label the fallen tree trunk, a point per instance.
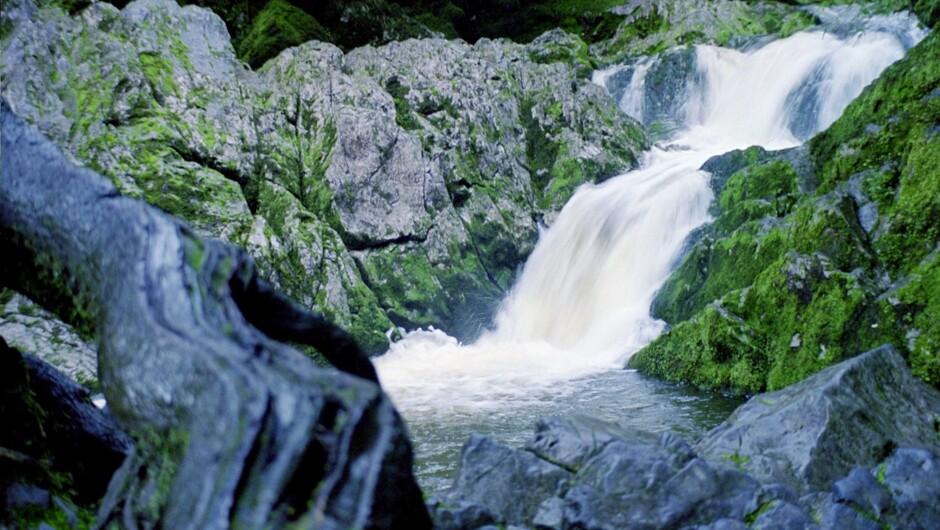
(232, 428)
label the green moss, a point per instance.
(713, 350)
(715, 267)
(163, 452)
(404, 280)
(541, 149)
(403, 114)
(277, 26)
(811, 315)
(33, 516)
(368, 321)
(791, 263)
(575, 52)
(915, 307)
(752, 517)
(737, 459)
(159, 72)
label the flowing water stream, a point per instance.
(580, 307)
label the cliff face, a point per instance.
(391, 186)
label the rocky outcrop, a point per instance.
(855, 446)
(391, 186)
(652, 26)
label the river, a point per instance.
(581, 305)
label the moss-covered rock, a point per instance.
(325, 165)
(277, 26)
(653, 27)
(715, 349)
(821, 264)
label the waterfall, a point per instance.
(581, 304)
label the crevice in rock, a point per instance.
(191, 155)
(357, 242)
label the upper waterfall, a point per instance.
(581, 303)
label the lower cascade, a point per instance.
(581, 306)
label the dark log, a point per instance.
(50, 420)
(232, 428)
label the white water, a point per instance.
(581, 304)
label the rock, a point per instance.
(511, 484)
(633, 485)
(782, 516)
(573, 440)
(912, 476)
(651, 26)
(723, 524)
(859, 488)
(391, 186)
(550, 514)
(29, 328)
(810, 434)
(842, 516)
(459, 515)
(810, 438)
(21, 495)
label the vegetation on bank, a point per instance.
(820, 253)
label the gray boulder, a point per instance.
(662, 485)
(511, 484)
(812, 433)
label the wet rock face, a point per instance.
(854, 446)
(392, 186)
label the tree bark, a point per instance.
(232, 428)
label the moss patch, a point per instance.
(277, 26)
